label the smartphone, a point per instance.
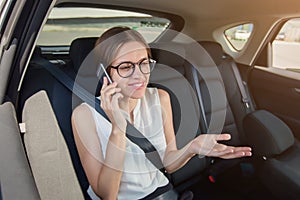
(106, 74)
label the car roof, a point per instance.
(207, 20)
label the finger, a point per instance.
(115, 99)
(109, 90)
(245, 149)
(104, 83)
(112, 91)
(223, 136)
(238, 154)
(220, 153)
(107, 93)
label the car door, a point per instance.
(275, 78)
(15, 176)
(16, 180)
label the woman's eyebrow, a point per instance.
(127, 61)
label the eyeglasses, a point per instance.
(126, 69)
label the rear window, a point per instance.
(238, 36)
(66, 24)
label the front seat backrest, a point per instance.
(47, 151)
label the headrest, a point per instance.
(214, 49)
(170, 54)
(267, 134)
(79, 49)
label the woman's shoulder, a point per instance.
(82, 112)
(158, 91)
(161, 94)
(82, 109)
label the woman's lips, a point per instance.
(137, 85)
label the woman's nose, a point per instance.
(137, 72)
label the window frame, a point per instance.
(176, 21)
(231, 46)
(276, 30)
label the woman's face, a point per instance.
(135, 85)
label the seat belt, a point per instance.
(197, 85)
(241, 85)
(131, 132)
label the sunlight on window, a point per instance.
(239, 35)
(66, 24)
(286, 46)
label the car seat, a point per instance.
(276, 153)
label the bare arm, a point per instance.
(205, 144)
(104, 175)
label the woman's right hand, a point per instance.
(110, 95)
(207, 145)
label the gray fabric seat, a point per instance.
(170, 74)
(47, 151)
(271, 139)
(62, 107)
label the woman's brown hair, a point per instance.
(111, 41)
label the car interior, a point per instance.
(215, 87)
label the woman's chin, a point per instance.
(137, 94)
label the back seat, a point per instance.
(276, 152)
(236, 110)
(170, 74)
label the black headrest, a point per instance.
(214, 49)
(170, 54)
(79, 49)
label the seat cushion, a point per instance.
(267, 134)
(281, 174)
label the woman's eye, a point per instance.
(145, 62)
(125, 67)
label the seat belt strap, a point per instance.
(131, 132)
(198, 90)
(244, 96)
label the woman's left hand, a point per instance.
(207, 145)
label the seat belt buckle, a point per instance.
(247, 105)
(246, 102)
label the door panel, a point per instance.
(15, 175)
(278, 91)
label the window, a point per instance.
(66, 24)
(4, 8)
(238, 36)
(286, 46)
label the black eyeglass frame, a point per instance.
(151, 61)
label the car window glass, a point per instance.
(238, 36)
(4, 8)
(66, 24)
(286, 46)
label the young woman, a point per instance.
(117, 168)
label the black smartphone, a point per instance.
(106, 74)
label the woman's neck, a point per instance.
(128, 105)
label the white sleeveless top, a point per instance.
(140, 177)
